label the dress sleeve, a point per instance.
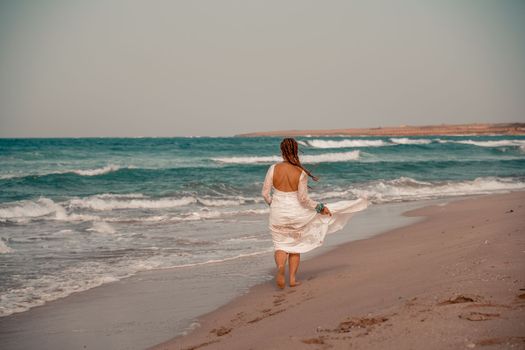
(302, 192)
(267, 186)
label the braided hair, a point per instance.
(289, 150)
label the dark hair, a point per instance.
(289, 150)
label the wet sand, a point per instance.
(152, 306)
(454, 280)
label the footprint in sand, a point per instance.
(266, 313)
(315, 341)
(279, 299)
(502, 340)
(478, 316)
(460, 299)
(221, 331)
(411, 302)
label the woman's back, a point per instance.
(294, 221)
(286, 177)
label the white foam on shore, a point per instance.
(30, 209)
(97, 203)
(214, 261)
(215, 214)
(4, 248)
(346, 143)
(102, 227)
(43, 207)
(309, 158)
(332, 194)
(408, 189)
(49, 288)
(82, 278)
(189, 216)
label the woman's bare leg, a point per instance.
(293, 262)
(280, 261)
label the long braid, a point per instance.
(289, 150)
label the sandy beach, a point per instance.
(451, 281)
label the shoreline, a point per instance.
(384, 300)
(145, 309)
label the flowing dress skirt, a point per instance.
(297, 229)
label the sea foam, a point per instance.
(81, 172)
(407, 141)
(488, 143)
(407, 189)
(90, 275)
(97, 171)
(4, 248)
(346, 143)
(97, 203)
(102, 227)
(309, 158)
(30, 209)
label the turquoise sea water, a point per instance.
(76, 213)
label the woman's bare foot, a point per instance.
(295, 283)
(280, 278)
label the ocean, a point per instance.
(78, 213)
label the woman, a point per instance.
(298, 223)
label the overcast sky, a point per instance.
(222, 67)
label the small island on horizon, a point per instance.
(406, 130)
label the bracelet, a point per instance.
(319, 207)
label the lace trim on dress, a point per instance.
(288, 230)
(267, 185)
(302, 192)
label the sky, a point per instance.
(74, 68)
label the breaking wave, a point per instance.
(406, 188)
(345, 143)
(97, 171)
(310, 158)
(489, 143)
(97, 203)
(407, 141)
(81, 172)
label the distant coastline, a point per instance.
(406, 130)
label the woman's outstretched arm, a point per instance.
(267, 186)
(302, 192)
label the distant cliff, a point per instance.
(406, 130)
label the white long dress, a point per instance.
(295, 225)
